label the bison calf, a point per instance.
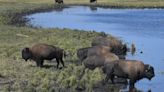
(41, 52)
(130, 69)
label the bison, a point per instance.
(128, 69)
(94, 61)
(97, 60)
(83, 53)
(40, 52)
(116, 45)
(59, 1)
(91, 1)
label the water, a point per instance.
(144, 27)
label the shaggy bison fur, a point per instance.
(83, 53)
(40, 52)
(116, 45)
(94, 61)
(129, 69)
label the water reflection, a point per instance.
(60, 9)
(93, 8)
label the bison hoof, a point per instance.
(60, 68)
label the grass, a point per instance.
(16, 75)
(26, 76)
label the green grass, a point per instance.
(14, 39)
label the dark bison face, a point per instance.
(149, 72)
(124, 49)
(26, 54)
(59, 1)
(93, 1)
(82, 53)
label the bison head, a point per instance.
(82, 53)
(149, 72)
(26, 54)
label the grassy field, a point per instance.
(26, 77)
(16, 75)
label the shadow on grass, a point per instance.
(45, 66)
(48, 66)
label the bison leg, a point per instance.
(57, 63)
(109, 73)
(106, 79)
(62, 62)
(39, 63)
(131, 86)
(112, 78)
(82, 74)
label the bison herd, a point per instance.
(108, 55)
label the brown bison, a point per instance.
(91, 1)
(40, 52)
(116, 45)
(59, 1)
(129, 69)
(97, 60)
(83, 53)
(94, 61)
